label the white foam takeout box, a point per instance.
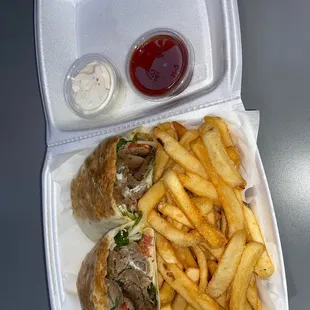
(66, 30)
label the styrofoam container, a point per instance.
(65, 31)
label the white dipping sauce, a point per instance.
(92, 86)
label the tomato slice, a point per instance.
(124, 307)
(147, 240)
(132, 145)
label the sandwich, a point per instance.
(119, 273)
(106, 189)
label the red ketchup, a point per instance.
(158, 65)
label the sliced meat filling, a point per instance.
(126, 257)
(115, 294)
(128, 275)
(134, 163)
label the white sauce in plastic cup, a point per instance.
(91, 85)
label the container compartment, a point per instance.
(67, 30)
(66, 245)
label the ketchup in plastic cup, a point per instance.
(160, 64)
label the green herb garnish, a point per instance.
(117, 303)
(121, 144)
(151, 290)
(121, 238)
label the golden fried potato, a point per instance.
(171, 233)
(264, 267)
(199, 186)
(228, 265)
(212, 235)
(250, 256)
(219, 158)
(179, 154)
(175, 213)
(230, 203)
(166, 250)
(184, 286)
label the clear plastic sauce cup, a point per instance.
(160, 64)
(92, 85)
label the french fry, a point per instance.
(219, 158)
(217, 217)
(179, 128)
(166, 294)
(234, 155)
(188, 137)
(166, 250)
(227, 265)
(217, 253)
(199, 186)
(175, 213)
(264, 267)
(252, 295)
(211, 218)
(250, 256)
(171, 163)
(160, 280)
(171, 233)
(212, 235)
(228, 294)
(185, 255)
(204, 204)
(222, 127)
(212, 265)
(172, 133)
(164, 126)
(232, 208)
(166, 307)
(179, 303)
(203, 268)
(247, 306)
(161, 161)
(193, 274)
(151, 199)
(178, 169)
(176, 224)
(179, 154)
(184, 286)
(222, 300)
(169, 198)
(224, 225)
(230, 203)
(259, 305)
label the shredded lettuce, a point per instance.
(121, 144)
(123, 208)
(138, 219)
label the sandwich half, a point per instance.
(106, 189)
(119, 273)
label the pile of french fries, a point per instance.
(210, 248)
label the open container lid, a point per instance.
(68, 30)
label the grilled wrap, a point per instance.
(120, 272)
(106, 189)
